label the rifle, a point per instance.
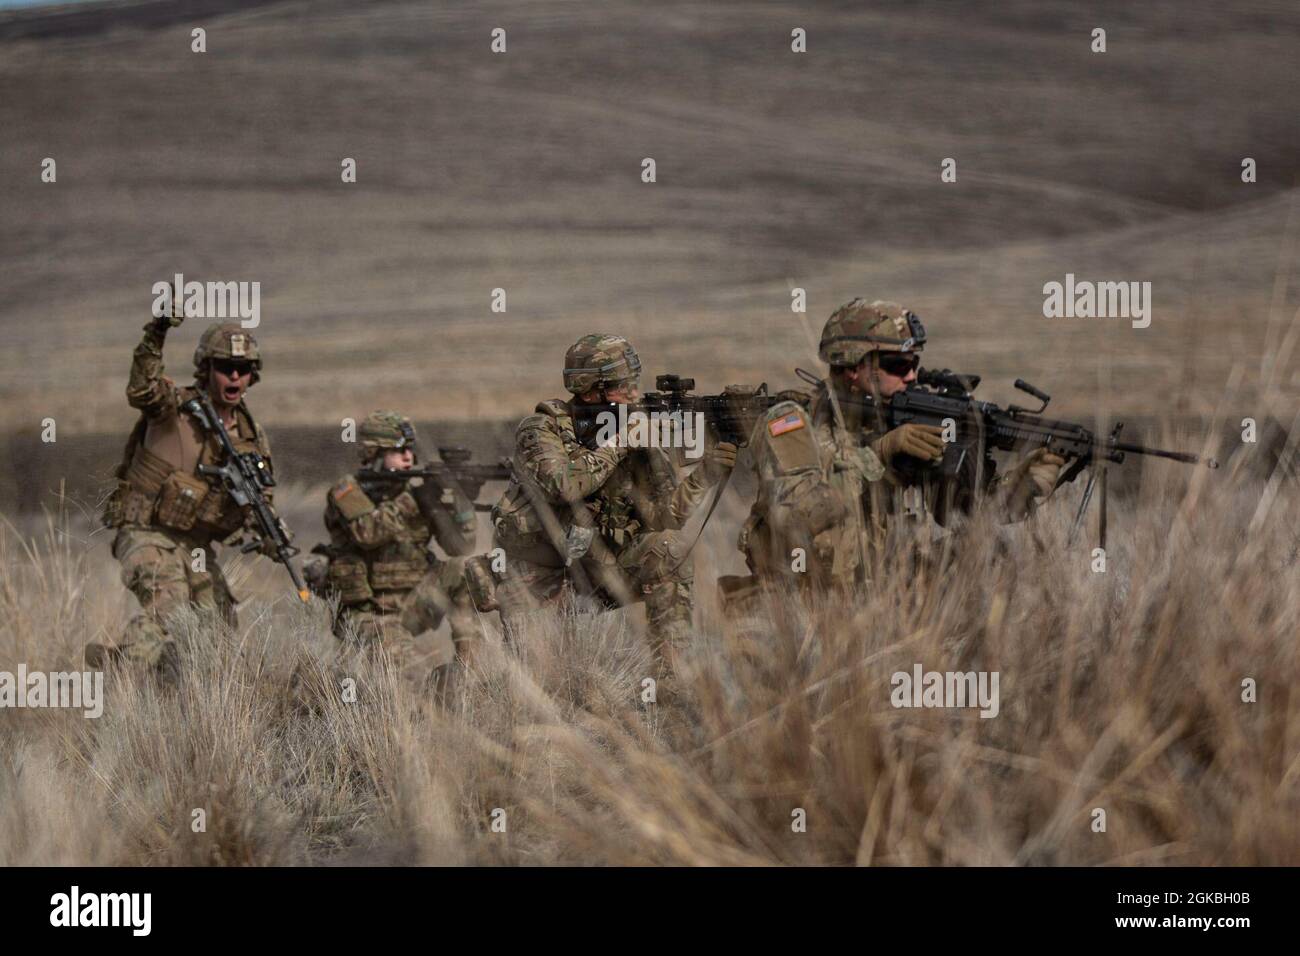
(244, 475)
(454, 470)
(731, 415)
(974, 428)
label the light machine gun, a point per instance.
(973, 428)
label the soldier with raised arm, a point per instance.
(167, 513)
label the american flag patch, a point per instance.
(791, 422)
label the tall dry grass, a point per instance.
(1119, 690)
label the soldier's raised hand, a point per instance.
(173, 315)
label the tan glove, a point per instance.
(718, 462)
(920, 441)
(171, 317)
(1033, 477)
(1042, 469)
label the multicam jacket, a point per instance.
(379, 542)
(158, 481)
(813, 478)
(560, 483)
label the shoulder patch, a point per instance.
(790, 441)
(350, 500)
(787, 423)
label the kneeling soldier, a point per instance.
(390, 586)
(605, 520)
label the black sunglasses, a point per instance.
(899, 363)
(227, 367)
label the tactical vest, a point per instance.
(384, 575)
(623, 507)
(524, 530)
(153, 492)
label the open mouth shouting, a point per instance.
(230, 379)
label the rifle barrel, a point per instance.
(1185, 457)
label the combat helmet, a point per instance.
(383, 430)
(600, 361)
(858, 329)
(227, 340)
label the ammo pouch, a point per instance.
(520, 531)
(817, 506)
(481, 583)
(126, 506)
(349, 578)
(397, 575)
(180, 499)
(530, 547)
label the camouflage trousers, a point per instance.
(158, 567)
(654, 567)
(394, 620)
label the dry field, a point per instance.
(1120, 690)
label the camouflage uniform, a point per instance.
(827, 483)
(605, 520)
(859, 332)
(391, 587)
(165, 512)
(813, 476)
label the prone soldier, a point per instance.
(605, 521)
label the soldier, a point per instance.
(166, 513)
(604, 520)
(829, 477)
(875, 350)
(391, 587)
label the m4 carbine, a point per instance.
(243, 476)
(731, 415)
(453, 470)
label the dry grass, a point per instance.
(1119, 690)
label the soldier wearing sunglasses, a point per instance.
(166, 514)
(828, 489)
(875, 351)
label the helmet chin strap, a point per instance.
(876, 400)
